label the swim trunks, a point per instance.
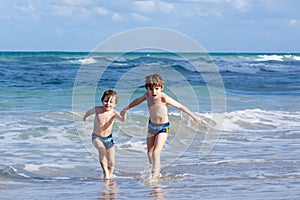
(107, 141)
(158, 128)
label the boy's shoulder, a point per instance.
(164, 95)
(99, 109)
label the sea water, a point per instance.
(250, 148)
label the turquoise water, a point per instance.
(252, 152)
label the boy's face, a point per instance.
(109, 102)
(154, 91)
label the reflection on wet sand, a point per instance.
(110, 190)
(156, 189)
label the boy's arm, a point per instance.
(181, 107)
(88, 113)
(121, 117)
(135, 102)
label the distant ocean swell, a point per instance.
(243, 63)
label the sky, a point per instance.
(216, 25)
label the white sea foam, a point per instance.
(296, 58)
(288, 56)
(277, 57)
(270, 57)
(138, 146)
(86, 61)
(246, 69)
(257, 120)
(37, 167)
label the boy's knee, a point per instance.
(111, 164)
(156, 153)
(150, 153)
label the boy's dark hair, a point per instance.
(110, 93)
(154, 80)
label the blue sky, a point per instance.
(217, 25)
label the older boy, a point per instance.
(102, 133)
(158, 127)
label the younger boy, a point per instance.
(102, 133)
(158, 127)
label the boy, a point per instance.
(158, 126)
(102, 133)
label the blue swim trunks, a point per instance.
(107, 141)
(158, 128)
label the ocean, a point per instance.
(248, 150)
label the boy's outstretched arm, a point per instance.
(88, 113)
(134, 103)
(181, 107)
(190, 113)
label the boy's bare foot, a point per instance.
(156, 175)
(106, 177)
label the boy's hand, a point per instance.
(198, 120)
(84, 119)
(123, 112)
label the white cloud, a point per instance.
(104, 12)
(74, 11)
(200, 1)
(195, 12)
(63, 11)
(153, 6)
(25, 9)
(117, 17)
(74, 2)
(145, 6)
(84, 11)
(294, 22)
(139, 17)
(165, 7)
(101, 11)
(28, 10)
(239, 4)
(217, 13)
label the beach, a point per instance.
(251, 151)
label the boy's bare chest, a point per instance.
(103, 118)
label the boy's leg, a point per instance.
(160, 140)
(150, 147)
(110, 154)
(102, 157)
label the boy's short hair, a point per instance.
(110, 93)
(154, 80)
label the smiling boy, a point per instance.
(102, 132)
(158, 127)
